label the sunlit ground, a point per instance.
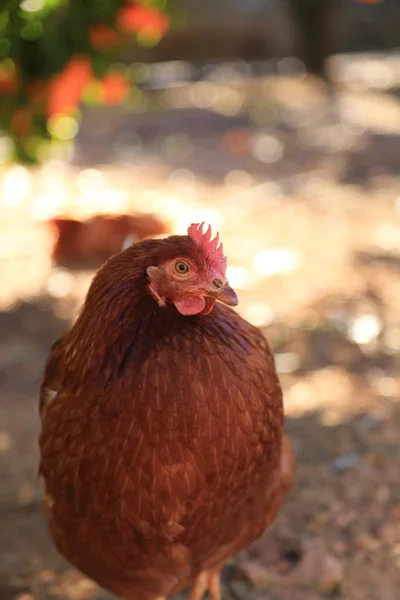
(303, 185)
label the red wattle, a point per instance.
(192, 305)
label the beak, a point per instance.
(226, 295)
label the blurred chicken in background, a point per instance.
(95, 240)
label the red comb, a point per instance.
(212, 250)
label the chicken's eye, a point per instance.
(181, 267)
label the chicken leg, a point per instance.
(206, 580)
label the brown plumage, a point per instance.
(161, 443)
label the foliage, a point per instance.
(57, 54)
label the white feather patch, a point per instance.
(49, 396)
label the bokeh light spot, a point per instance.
(32, 5)
(63, 127)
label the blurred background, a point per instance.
(277, 122)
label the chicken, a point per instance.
(162, 449)
(100, 237)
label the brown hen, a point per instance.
(161, 446)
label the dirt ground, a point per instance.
(309, 211)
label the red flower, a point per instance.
(8, 82)
(21, 121)
(115, 88)
(143, 19)
(65, 89)
(102, 37)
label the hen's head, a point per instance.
(191, 273)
